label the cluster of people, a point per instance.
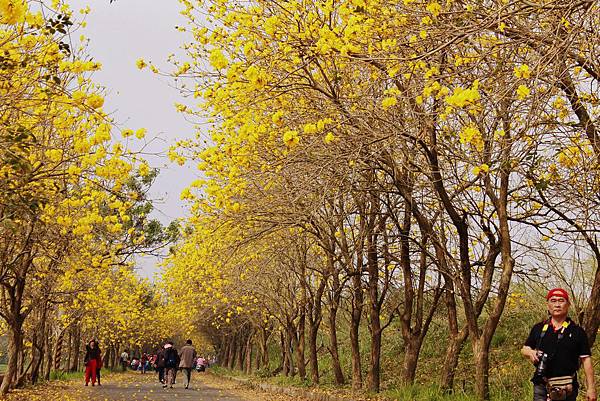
(167, 361)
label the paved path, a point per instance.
(136, 387)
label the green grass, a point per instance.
(509, 371)
(60, 375)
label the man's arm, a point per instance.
(588, 368)
(530, 354)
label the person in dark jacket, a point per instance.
(98, 364)
(159, 365)
(171, 364)
(92, 355)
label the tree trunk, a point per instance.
(264, 345)
(257, 356)
(453, 349)
(248, 356)
(412, 348)
(231, 354)
(15, 345)
(373, 377)
(298, 341)
(482, 369)
(338, 374)
(74, 352)
(313, 331)
(49, 356)
(223, 352)
(239, 355)
(357, 306)
(58, 346)
(591, 317)
(285, 362)
(289, 351)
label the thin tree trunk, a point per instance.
(289, 352)
(48, 353)
(58, 346)
(285, 362)
(299, 343)
(239, 353)
(313, 331)
(373, 377)
(264, 345)
(482, 368)
(334, 304)
(15, 345)
(453, 349)
(248, 356)
(231, 354)
(74, 352)
(257, 355)
(357, 307)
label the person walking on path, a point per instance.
(92, 355)
(558, 347)
(144, 363)
(159, 365)
(171, 363)
(187, 357)
(124, 360)
(98, 365)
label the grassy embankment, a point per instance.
(509, 372)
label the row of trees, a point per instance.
(387, 162)
(73, 204)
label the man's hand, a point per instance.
(591, 395)
(530, 354)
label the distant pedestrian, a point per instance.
(201, 364)
(187, 358)
(99, 365)
(92, 355)
(159, 365)
(144, 363)
(171, 363)
(124, 360)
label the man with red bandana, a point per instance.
(558, 347)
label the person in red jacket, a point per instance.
(92, 355)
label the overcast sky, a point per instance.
(119, 34)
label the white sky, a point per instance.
(119, 34)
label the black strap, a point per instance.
(559, 337)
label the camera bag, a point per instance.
(559, 388)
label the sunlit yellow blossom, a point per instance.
(12, 11)
(523, 91)
(217, 59)
(522, 71)
(95, 101)
(388, 102)
(291, 138)
(141, 64)
(329, 138)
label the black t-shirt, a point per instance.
(564, 359)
